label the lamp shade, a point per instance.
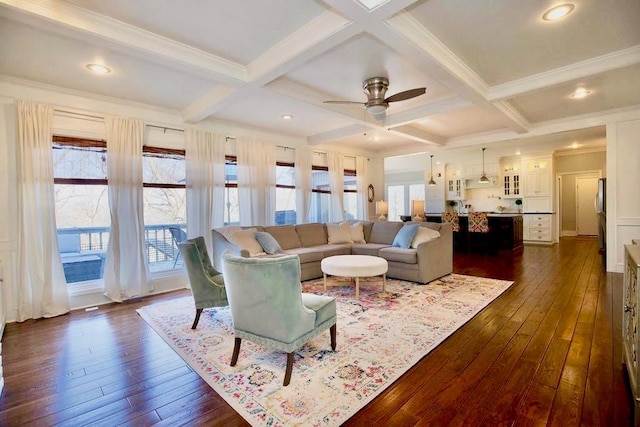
(417, 208)
(382, 207)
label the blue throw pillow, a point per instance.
(269, 243)
(405, 236)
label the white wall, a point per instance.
(623, 187)
(71, 125)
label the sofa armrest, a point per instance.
(221, 244)
(435, 257)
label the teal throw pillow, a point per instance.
(405, 236)
(269, 243)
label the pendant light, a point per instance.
(483, 178)
(431, 181)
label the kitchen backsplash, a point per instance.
(485, 199)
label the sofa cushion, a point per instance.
(357, 233)
(268, 242)
(246, 240)
(405, 236)
(367, 248)
(407, 256)
(312, 234)
(285, 235)
(384, 232)
(306, 254)
(339, 249)
(339, 233)
(424, 234)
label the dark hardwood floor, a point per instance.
(548, 351)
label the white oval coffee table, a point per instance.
(355, 267)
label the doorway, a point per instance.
(586, 218)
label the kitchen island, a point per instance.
(505, 230)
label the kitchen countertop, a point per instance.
(496, 214)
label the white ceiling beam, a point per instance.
(327, 137)
(201, 108)
(320, 34)
(590, 67)
(423, 111)
(419, 135)
(86, 21)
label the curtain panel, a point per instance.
(256, 181)
(126, 270)
(205, 164)
(335, 162)
(42, 288)
(362, 183)
(303, 170)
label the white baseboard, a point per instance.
(569, 233)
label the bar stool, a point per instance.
(451, 217)
(478, 231)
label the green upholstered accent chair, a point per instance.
(269, 308)
(207, 284)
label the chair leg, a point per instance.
(197, 319)
(332, 332)
(287, 373)
(236, 351)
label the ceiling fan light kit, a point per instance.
(376, 88)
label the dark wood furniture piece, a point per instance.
(505, 230)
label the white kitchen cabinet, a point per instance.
(538, 177)
(538, 228)
(455, 189)
(630, 333)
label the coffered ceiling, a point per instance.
(494, 70)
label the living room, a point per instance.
(189, 75)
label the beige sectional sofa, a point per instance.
(428, 261)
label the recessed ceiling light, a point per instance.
(558, 12)
(580, 93)
(98, 69)
(574, 145)
(518, 153)
(287, 117)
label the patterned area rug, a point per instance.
(380, 336)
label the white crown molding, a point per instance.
(586, 150)
(586, 68)
(516, 121)
(69, 15)
(413, 31)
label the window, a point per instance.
(350, 195)
(285, 194)
(81, 205)
(231, 208)
(164, 206)
(320, 194)
(396, 202)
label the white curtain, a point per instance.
(205, 160)
(42, 289)
(126, 270)
(335, 161)
(256, 181)
(303, 164)
(362, 179)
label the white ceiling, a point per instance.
(495, 72)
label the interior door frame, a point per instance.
(558, 197)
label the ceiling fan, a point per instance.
(375, 89)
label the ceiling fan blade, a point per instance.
(407, 94)
(343, 102)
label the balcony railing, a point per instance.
(84, 249)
